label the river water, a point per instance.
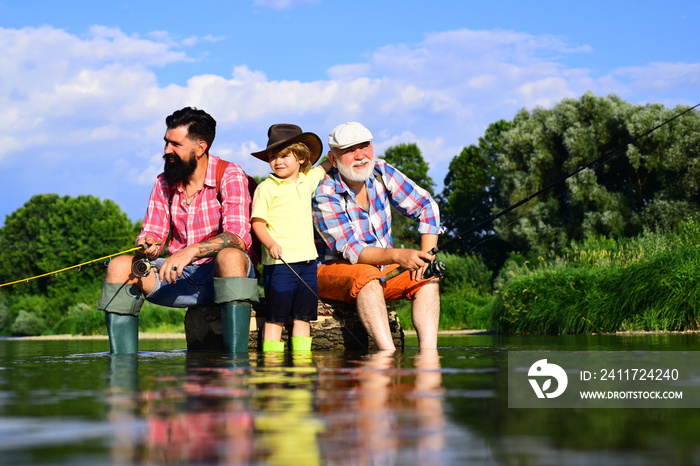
(70, 402)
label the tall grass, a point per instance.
(601, 285)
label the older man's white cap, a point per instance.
(348, 134)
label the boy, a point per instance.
(281, 219)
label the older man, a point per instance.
(352, 215)
(203, 202)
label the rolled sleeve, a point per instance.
(411, 200)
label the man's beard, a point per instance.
(347, 172)
(176, 169)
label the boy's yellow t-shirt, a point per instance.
(286, 207)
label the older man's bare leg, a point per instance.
(425, 313)
(371, 308)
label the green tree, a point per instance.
(471, 193)
(49, 233)
(649, 182)
(408, 159)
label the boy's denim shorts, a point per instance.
(194, 288)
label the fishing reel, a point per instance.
(434, 269)
(142, 267)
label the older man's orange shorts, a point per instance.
(342, 281)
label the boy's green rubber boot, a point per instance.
(122, 304)
(301, 343)
(272, 346)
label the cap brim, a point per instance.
(345, 146)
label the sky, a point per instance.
(85, 86)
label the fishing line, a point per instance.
(328, 308)
(496, 234)
(78, 266)
(601, 160)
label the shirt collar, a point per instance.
(278, 180)
(342, 187)
(210, 177)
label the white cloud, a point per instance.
(661, 77)
(90, 109)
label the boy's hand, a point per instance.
(276, 251)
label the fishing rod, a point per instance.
(327, 307)
(77, 266)
(600, 160)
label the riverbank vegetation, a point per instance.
(614, 247)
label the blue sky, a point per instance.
(85, 86)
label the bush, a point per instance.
(159, 319)
(78, 310)
(6, 316)
(28, 323)
(88, 321)
(464, 272)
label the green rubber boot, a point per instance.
(235, 326)
(301, 343)
(235, 294)
(122, 304)
(273, 346)
(123, 331)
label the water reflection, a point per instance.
(383, 411)
(280, 409)
(123, 398)
(283, 396)
(71, 403)
(202, 416)
(428, 394)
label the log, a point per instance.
(338, 328)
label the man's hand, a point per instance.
(173, 266)
(413, 260)
(149, 247)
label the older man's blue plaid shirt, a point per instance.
(345, 229)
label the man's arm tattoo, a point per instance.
(226, 239)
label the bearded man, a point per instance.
(204, 216)
(352, 216)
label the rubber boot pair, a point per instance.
(235, 294)
(298, 344)
(122, 304)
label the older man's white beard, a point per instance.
(349, 174)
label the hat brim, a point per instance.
(312, 141)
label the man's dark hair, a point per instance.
(200, 125)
